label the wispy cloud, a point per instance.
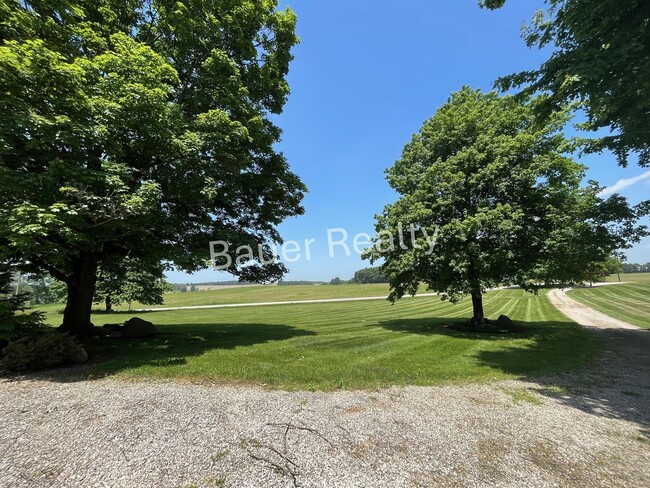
(624, 183)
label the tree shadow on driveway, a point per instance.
(603, 372)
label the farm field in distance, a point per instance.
(257, 294)
(353, 345)
(627, 277)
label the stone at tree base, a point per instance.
(79, 355)
(505, 322)
(137, 327)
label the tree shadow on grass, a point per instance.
(602, 372)
(172, 346)
(429, 326)
(542, 347)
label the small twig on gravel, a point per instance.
(289, 426)
(286, 433)
(124, 454)
(285, 468)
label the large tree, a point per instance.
(600, 59)
(487, 198)
(141, 128)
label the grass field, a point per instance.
(345, 345)
(627, 277)
(629, 302)
(253, 294)
(256, 294)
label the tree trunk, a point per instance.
(81, 289)
(109, 304)
(477, 308)
(477, 294)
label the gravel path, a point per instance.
(584, 429)
(584, 315)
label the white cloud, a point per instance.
(624, 183)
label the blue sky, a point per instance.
(365, 77)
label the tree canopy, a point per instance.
(601, 60)
(501, 197)
(141, 129)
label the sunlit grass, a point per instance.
(256, 294)
(629, 301)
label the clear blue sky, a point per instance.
(365, 77)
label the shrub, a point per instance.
(14, 321)
(42, 351)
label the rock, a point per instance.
(137, 327)
(116, 334)
(78, 355)
(505, 322)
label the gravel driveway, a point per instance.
(584, 429)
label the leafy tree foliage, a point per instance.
(503, 198)
(141, 128)
(601, 59)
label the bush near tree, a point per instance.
(15, 318)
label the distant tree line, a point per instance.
(636, 268)
(363, 276)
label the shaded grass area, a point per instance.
(629, 302)
(352, 345)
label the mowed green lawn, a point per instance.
(256, 294)
(260, 294)
(345, 345)
(629, 301)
